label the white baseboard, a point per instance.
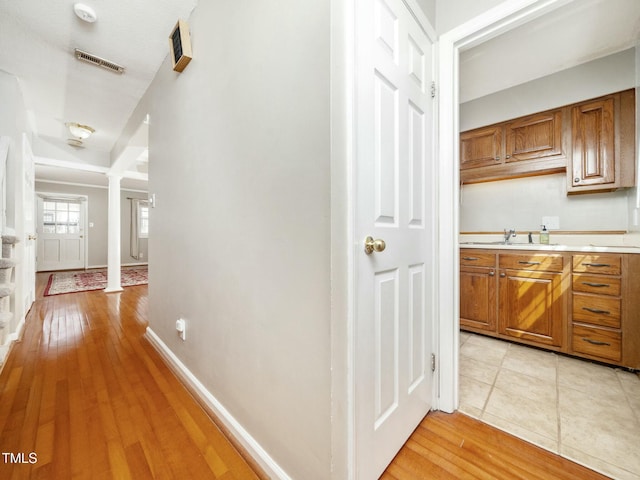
(138, 264)
(249, 443)
(17, 334)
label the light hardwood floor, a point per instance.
(88, 395)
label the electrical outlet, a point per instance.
(552, 223)
(181, 327)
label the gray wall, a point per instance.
(240, 237)
(97, 213)
(522, 203)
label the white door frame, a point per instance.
(495, 21)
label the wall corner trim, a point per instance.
(252, 447)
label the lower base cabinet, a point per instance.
(532, 306)
(584, 305)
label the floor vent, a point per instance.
(98, 61)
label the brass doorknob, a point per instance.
(371, 245)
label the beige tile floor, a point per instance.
(583, 411)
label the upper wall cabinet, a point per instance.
(603, 138)
(593, 141)
(531, 145)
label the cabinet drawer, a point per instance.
(532, 261)
(597, 284)
(597, 341)
(597, 310)
(604, 264)
(477, 259)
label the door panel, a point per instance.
(386, 345)
(531, 306)
(393, 322)
(386, 151)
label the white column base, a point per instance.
(113, 290)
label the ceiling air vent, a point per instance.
(98, 61)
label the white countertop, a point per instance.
(628, 243)
(552, 247)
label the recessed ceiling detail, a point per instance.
(98, 61)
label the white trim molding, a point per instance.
(250, 444)
(503, 17)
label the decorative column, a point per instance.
(113, 255)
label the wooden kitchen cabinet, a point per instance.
(592, 141)
(532, 303)
(481, 147)
(605, 323)
(603, 144)
(582, 304)
(525, 146)
(478, 288)
(534, 137)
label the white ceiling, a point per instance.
(571, 35)
(38, 38)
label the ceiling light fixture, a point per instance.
(85, 13)
(81, 132)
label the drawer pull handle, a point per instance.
(528, 263)
(595, 310)
(596, 264)
(596, 342)
(596, 285)
(470, 259)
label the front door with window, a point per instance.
(61, 241)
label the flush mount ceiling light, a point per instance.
(84, 12)
(81, 132)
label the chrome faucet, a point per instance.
(508, 234)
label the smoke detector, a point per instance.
(85, 13)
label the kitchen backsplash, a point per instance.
(521, 203)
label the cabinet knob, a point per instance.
(508, 156)
(502, 275)
(576, 180)
(491, 274)
(498, 158)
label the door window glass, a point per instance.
(61, 217)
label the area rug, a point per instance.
(71, 282)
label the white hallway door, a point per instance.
(394, 203)
(61, 242)
(29, 225)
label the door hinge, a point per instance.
(433, 89)
(433, 362)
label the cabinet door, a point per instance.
(534, 137)
(593, 137)
(531, 306)
(478, 305)
(481, 147)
